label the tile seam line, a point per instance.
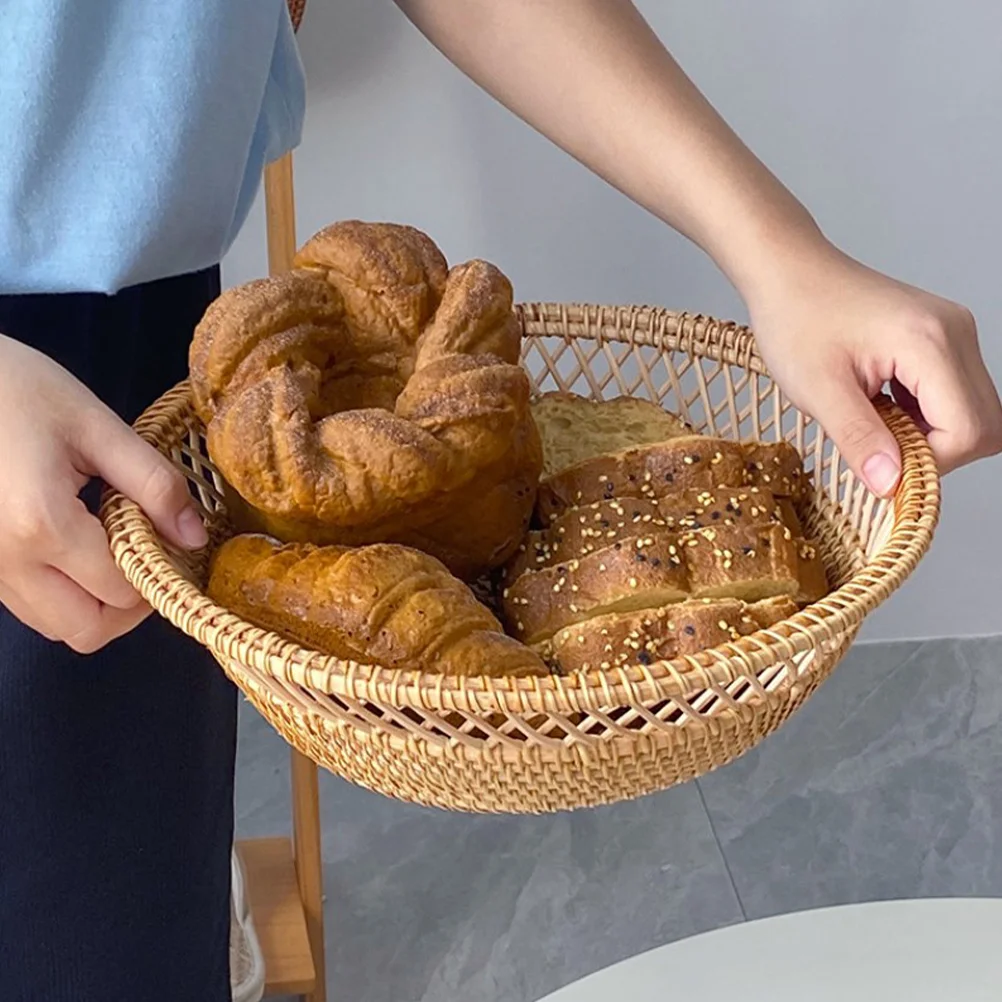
(723, 854)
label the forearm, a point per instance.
(593, 77)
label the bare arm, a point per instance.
(593, 77)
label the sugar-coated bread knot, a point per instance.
(372, 394)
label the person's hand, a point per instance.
(57, 574)
(834, 333)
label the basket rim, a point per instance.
(147, 565)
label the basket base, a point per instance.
(542, 779)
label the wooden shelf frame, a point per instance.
(285, 878)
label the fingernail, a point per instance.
(191, 529)
(881, 473)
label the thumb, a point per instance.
(111, 450)
(850, 419)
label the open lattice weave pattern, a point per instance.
(527, 745)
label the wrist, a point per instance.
(773, 251)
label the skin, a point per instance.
(593, 77)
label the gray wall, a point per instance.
(885, 118)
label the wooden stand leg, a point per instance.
(281, 222)
(309, 863)
(280, 208)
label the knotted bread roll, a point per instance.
(373, 395)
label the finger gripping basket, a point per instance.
(531, 745)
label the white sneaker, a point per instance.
(246, 958)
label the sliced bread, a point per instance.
(619, 640)
(579, 531)
(650, 471)
(638, 573)
(745, 562)
(575, 428)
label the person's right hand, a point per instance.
(834, 333)
(57, 574)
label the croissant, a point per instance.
(373, 395)
(382, 604)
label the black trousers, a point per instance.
(116, 770)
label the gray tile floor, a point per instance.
(883, 786)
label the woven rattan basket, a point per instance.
(530, 745)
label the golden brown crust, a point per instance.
(746, 562)
(620, 640)
(652, 471)
(645, 571)
(632, 574)
(776, 466)
(390, 276)
(666, 468)
(382, 604)
(474, 317)
(371, 395)
(579, 531)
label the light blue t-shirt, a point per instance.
(133, 134)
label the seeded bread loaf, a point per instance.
(651, 471)
(776, 466)
(666, 468)
(637, 573)
(745, 562)
(381, 604)
(621, 640)
(648, 571)
(655, 542)
(579, 531)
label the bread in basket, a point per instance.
(370, 395)
(525, 741)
